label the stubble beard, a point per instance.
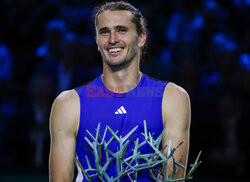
(123, 64)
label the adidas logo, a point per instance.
(121, 110)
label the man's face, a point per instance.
(117, 38)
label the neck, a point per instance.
(123, 80)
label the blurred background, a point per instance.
(47, 46)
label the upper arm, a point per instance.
(176, 119)
(176, 109)
(64, 120)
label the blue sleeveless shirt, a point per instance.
(120, 112)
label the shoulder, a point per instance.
(174, 92)
(176, 104)
(66, 100)
(66, 110)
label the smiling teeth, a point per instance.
(115, 50)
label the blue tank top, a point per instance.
(120, 112)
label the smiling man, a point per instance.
(122, 97)
(118, 40)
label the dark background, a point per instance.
(47, 46)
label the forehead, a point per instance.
(114, 18)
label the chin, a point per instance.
(115, 61)
(117, 65)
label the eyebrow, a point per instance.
(117, 27)
(103, 29)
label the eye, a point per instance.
(103, 32)
(122, 29)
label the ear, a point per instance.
(142, 39)
(97, 43)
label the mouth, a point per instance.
(115, 51)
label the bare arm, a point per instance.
(64, 120)
(176, 119)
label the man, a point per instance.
(119, 98)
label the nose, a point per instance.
(113, 38)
